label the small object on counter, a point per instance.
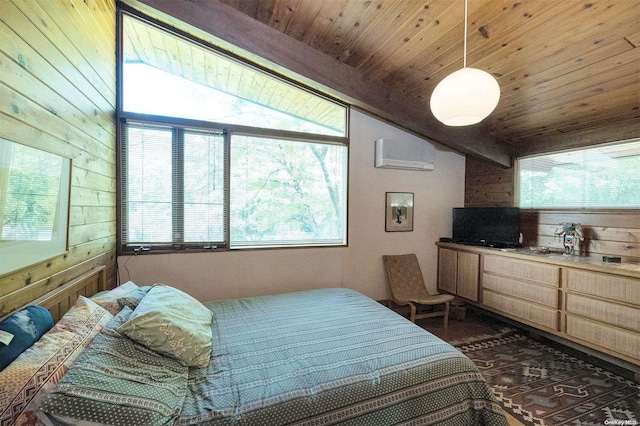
(540, 249)
(612, 259)
(571, 235)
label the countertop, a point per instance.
(530, 253)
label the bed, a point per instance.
(317, 357)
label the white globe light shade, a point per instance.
(465, 97)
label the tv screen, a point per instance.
(491, 226)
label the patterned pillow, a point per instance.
(21, 330)
(36, 371)
(132, 299)
(118, 382)
(172, 323)
(109, 299)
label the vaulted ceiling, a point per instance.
(569, 71)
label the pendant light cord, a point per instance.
(464, 54)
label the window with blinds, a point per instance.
(216, 153)
(602, 177)
(173, 187)
(281, 192)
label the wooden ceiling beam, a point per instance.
(553, 142)
(245, 37)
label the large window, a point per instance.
(215, 153)
(602, 177)
(295, 196)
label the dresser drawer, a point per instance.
(532, 271)
(544, 295)
(607, 337)
(607, 286)
(601, 310)
(531, 312)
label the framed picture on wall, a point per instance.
(34, 205)
(399, 211)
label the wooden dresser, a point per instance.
(580, 299)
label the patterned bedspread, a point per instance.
(317, 357)
(331, 356)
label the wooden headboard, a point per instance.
(62, 298)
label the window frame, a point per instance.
(228, 131)
(517, 182)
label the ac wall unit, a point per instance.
(413, 154)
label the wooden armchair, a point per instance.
(407, 287)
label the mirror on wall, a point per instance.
(34, 205)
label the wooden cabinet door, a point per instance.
(447, 270)
(468, 275)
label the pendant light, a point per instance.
(466, 96)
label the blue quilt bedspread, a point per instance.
(331, 356)
(317, 357)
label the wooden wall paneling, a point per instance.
(19, 80)
(62, 298)
(27, 111)
(29, 74)
(487, 199)
(90, 254)
(594, 233)
(11, 301)
(610, 233)
(51, 20)
(94, 22)
(57, 83)
(487, 185)
(49, 51)
(613, 218)
(99, 25)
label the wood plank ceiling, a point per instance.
(569, 71)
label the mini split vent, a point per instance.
(405, 154)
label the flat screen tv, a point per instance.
(487, 226)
